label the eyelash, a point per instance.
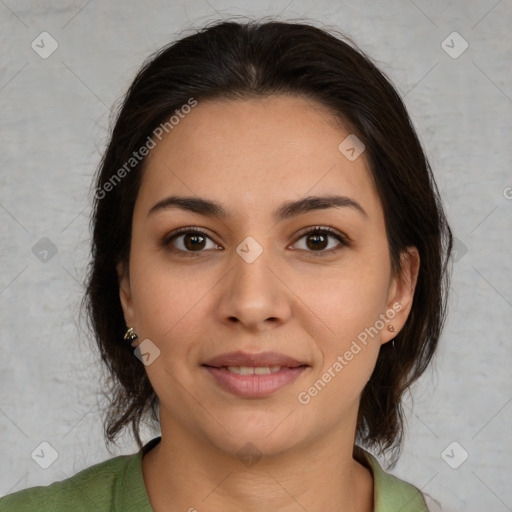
(166, 242)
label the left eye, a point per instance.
(192, 240)
(318, 240)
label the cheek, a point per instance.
(169, 313)
(173, 307)
(349, 307)
(348, 345)
(164, 303)
(348, 302)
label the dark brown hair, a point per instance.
(234, 60)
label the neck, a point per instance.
(184, 472)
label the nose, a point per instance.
(253, 293)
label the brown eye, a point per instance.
(193, 241)
(189, 240)
(317, 241)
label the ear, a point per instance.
(401, 293)
(125, 294)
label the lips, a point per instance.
(262, 359)
(254, 375)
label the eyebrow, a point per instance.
(287, 210)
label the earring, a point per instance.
(129, 337)
(392, 329)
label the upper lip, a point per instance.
(253, 360)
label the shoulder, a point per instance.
(95, 488)
(391, 493)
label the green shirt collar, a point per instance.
(390, 493)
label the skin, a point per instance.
(252, 156)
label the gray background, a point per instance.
(55, 116)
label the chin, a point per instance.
(248, 448)
(269, 434)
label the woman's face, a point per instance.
(255, 280)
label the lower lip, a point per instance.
(254, 386)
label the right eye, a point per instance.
(188, 240)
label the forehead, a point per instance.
(256, 152)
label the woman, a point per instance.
(268, 278)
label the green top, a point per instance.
(117, 484)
